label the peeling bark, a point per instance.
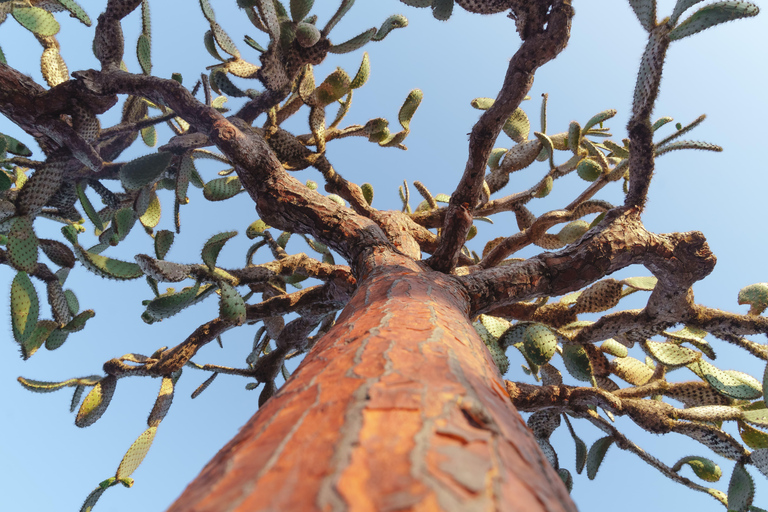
(397, 407)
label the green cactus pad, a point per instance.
(726, 383)
(220, 189)
(96, 402)
(231, 304)
(363, 72)
(224, 41)
(703, 467)
(123, 220)
(442, 9)
(367, 190)
(25, 307)
(151, 216)
(353, 44)
(756, 295)
(741, 489)
(88, 208)
(540, 343)
(711, 15)
(412, 102)
(72, 302)
(300, 9)
(207, 10)
(186, 169)
(754, 438)
(163, 402)
(573, 231)
(256, 229)
(163, 241)
(144, 55)
(213, 246)
(613, 347)
(78, 322)
(500, 359)
(136, 453)
(598, 118)
(391, 23)
(56, 339)
(210, 45)
(144, 170)
(307, 34)
(22, 245)
(671, 354)
(641, 283)
(36, 20)
(76, 11)
(482, 103)
(169, 304)
(334, 87)
(14, 146)
(588, 169)
(38, 336)
(108, 267)
(38, 386)
(596, 455)
(518, 127)
(577, 362)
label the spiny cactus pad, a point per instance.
(231, 304)
(540, 343)
(108, 267)
(577, 362)
(136, 453)
(96, 402)
(25, 307)
(711, 15)
(169, 304)
(163, 402)
(220, 189)
(36, 20)
(213, 246)
(596, 455)
(671, 354)
(144, 170)
(601, 296)
(35, 340)
(22, 245)
(741, 489)
(756, 295)
(728, 384)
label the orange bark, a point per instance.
(397, 407)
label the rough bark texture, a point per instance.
(398, 407)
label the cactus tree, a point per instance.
(450, 336)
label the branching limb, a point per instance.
(536, 50)
(641, 147)
(281, 200)
(132, 127)
(677, 260)
(625, 444)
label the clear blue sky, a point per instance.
(46, 463)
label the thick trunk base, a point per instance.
(398, 407)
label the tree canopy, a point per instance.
(472, 71)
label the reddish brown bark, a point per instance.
(398, 407)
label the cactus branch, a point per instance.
(534, 52)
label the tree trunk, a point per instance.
(397, 407)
